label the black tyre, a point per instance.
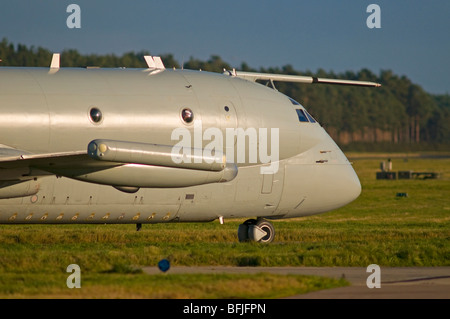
(243, 230)
(268, 228)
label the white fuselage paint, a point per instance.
(42, 112)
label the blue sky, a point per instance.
(413, 39)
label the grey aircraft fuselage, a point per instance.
(46, 111)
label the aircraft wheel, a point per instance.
(268, 228)
(243, 230)
(259, 230)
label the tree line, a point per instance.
(398, 115)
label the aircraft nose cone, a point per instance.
(353, 186)
(344, 185)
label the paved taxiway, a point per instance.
(396, 282)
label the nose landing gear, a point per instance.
(259, 230)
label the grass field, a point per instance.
(378, 227)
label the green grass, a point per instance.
(166, 286)
(378, 227)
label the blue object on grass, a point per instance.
(164, 265)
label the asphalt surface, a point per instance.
(396, 282)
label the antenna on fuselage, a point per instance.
(154, 63)
(150, 62)
(55, 64)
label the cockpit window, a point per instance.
(311, 119)
(293, 101)
(301, 115)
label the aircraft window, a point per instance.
(293, 101)
(187, 115)
(226, 108)
(96, 115)
(301, 115)
(311, 119)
